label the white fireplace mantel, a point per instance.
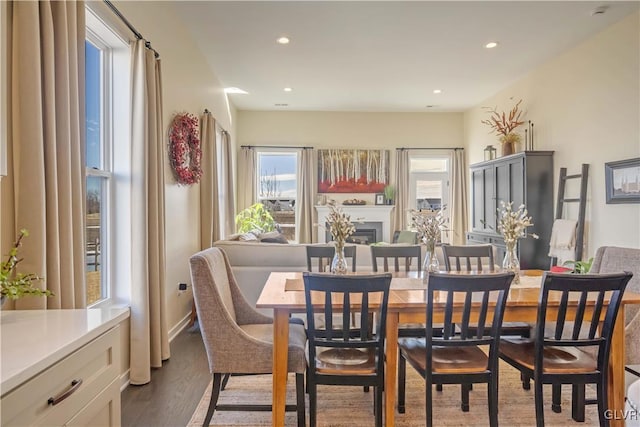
(364, 213)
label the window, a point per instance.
(277, 187)
(107, 162)
(429, 182)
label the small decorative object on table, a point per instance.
(429, 228)
(504, 126)
(340, 227)
(512, 225)
(15, 285)
(389, 194)
(354, 202)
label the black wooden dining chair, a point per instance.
(323, 254)
(340, 354)
(405, 255)
(457, 358)
(562, 356)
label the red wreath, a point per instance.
(184, 149)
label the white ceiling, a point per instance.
(384, 56)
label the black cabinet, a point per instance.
(522, 178)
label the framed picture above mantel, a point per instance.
(623, 181)
(352, 171)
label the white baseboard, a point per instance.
(124, 380)
(182, 324)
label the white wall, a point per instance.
(585, 105)
(351, 130)
(189, 85)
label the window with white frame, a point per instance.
(107, 111)
(277, 187)
(429, 182)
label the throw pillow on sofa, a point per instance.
(273, 237)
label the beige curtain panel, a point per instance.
(47, 110)
(305, 196)
(209, 203)
(402, 190)
(247, 164)
(149, 333)
(459, 202)
(228, 204)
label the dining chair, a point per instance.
(324, 255)
(339, 354)
(562, 356)
(458, 358)
(396, 254)
(238, 339)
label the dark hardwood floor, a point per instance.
(174, 391)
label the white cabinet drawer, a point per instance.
(96, 365)
(103, 411)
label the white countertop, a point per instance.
(32, 340)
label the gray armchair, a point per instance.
(238, 339)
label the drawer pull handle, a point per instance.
(75, 385)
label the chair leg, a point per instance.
(225, 380)
(526, 381)
(429, 403)
(215, 393)
(439, 387)
(378, 391)
(300, 399)
(577, 402)
(556, 398)
(603, 401)
(539, 402)
(312, 404)
(402, 379)
(465, 397)
(492, 389)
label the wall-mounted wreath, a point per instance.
(184, 149)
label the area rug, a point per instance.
(350, 406)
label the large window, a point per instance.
(429, 183)
(277, 187)
(107, 75)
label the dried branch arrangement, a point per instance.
(503, 124)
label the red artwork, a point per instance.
(352, 171)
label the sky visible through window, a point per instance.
(277, 175)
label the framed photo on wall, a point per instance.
(622, 180)
(380, 199)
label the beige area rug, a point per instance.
(350, 406)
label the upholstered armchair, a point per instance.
(238, 339)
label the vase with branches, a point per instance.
(340, 227)
(504, 125)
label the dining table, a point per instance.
(284, 293)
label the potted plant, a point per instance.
(15, 285)
(255, 217)
(389, 194)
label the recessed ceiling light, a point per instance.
(283, 40)
(235, 90)
(287, 89)
(281, 105)
(491, 45)
(436, 91)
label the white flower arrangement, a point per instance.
(340, 225)
(429, 227)
(512, 225)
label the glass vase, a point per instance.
(339, 262)
(511, 262)
(431, 263)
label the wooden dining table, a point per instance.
(283, 292)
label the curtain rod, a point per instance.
(430, 148)
(206, 111)
(131, 27)
(272, 146)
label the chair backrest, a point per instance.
(324, 255)
(346, 296)
(483, 295)
(396, 253)
(587, 296)
(471, 257)
(405, 236)
(219, 304)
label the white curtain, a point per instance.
(47, 111)
(228, 204)
(305, 197)
(402, 190)
(247, 165)
(459, 214)
(209, 203)
(149, 334)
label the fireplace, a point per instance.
(366, 233)
(370, 217)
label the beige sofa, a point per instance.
(252, 262)
(610, 259)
